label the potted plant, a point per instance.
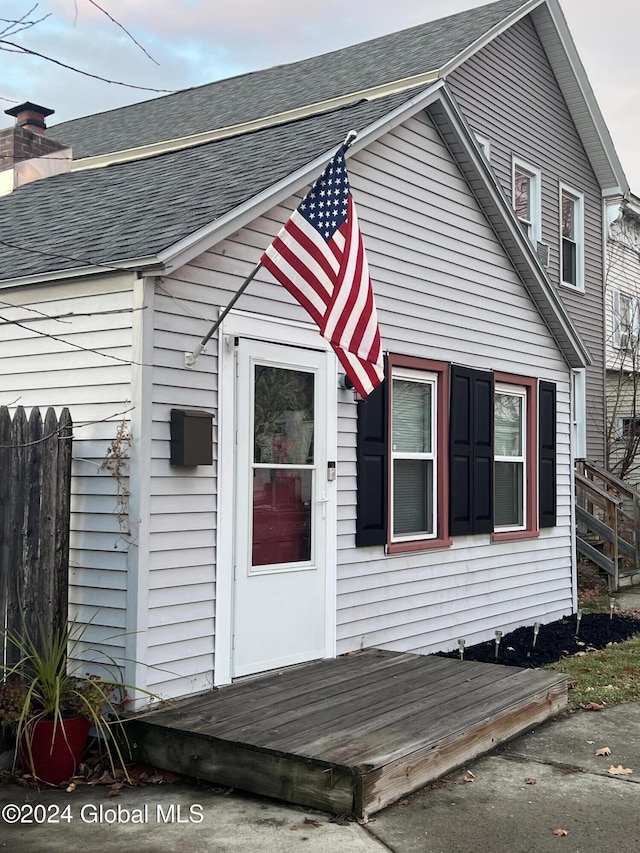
(51, 705)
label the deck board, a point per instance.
(383, 709)
(350, 734)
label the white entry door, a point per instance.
(285, 491)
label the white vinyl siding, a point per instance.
(433, 275)
(436, 268)
(82, 362)
(182, 501)
(519, 106)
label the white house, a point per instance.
(314, 524)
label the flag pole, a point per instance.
(190, 358)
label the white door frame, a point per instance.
(258, 327)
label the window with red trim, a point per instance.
(417, 473)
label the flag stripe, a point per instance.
(319, 257)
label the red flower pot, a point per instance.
(55, 750)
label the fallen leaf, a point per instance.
(603, 751)
(293, 828)
(593, 706)
(530, 780)
(310, 822)
(403, 802)
(469, 776)
(71, 788)
(560, 832)
(619, 770)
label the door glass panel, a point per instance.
(283, 442)
(283, 416)
(281, 515)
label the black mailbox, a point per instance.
(191, 437)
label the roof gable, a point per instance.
(426, 47)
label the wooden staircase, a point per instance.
(607, 522)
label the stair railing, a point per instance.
(608, 509)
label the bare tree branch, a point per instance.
(124, 29)
(12, 47)
(18, 25)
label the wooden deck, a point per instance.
(349, 735)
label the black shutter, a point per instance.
(471, 452)
(371, 461)
(547, 455)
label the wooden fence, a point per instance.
(35, 488)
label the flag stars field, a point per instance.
(319, 257)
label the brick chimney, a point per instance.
(26, 140)
(30, 116)
(26, 154)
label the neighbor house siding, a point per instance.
(623, 365)
(509, 95)
(445, 290)
(82, 362)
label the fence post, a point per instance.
(34, 522)
(17, 489)
(63, 519)
(6, 505)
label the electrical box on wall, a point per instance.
(191, 437)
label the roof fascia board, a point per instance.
(148, 265)
(489, 36)
(200, 241)
(143, 152)
(519, 248)
(553, 9)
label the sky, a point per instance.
(192, 42)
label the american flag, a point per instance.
(319, 257)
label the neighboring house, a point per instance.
(440, 508)
(623, 340)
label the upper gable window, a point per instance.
(484, 143)
(526, 199)
(572, 237)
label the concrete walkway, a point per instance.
(545, 780)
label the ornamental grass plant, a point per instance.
(47, 683)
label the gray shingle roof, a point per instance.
(426, 47)
(137, 209)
